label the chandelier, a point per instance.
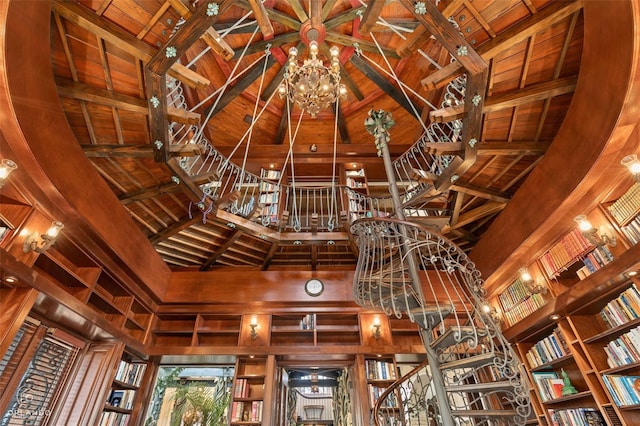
(312, 85)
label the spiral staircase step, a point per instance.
(457, 334)
(429, 316)
(475, 361)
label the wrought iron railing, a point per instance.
(407, 270)
(325, 206)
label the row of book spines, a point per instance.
(569, 248)
(576, 417)
(551, 347)
(308, 322)
(380, 370)
(524, 309)
(270, 198)
(352, 183)
(271, 174)
(111, 418)
(632, 230)
(549, 385)
(513, 294)
(374, 395)
(626, 206)
(622, 389)
(122, 398)
(130, 373)
(241, 389)
(241, 411)
(624, 350)
(622, 309)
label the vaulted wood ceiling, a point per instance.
(101, 49)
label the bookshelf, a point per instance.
(252, 390)
(358, 189)
(552, 356)
(269, 196)
(625, 213)
(119, 405)
(380, 372)
(516, 302)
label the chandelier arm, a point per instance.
(400, 84)
(397, 29)
(253, 119)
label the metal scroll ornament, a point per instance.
(378, 124)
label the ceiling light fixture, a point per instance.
(312, 85)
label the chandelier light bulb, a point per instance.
(312, 85)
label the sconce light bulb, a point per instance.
(486, 308)
(55, 229)
(632, 163)
(525, 275)
(6, 167)
(583, 224)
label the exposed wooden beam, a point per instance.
(421, 34)
(188, 33)
(488, 208)
(156, 87)
(488, 148)
(282, 125)
(448, 36)
(371, 15)
(382, 82)
(248, 79)
(344, 17)
(174, 229)
(342, 124)
(138, 151)
(298, 10)
(180, 115)
(478, 191)
(269, 256)
(230, 240)
(533, 93)
(261, 46)
(124, 41)
(555, 12)
(143, 194)
(70, 89)
(261, 15)
(218, 44)
(365, 45)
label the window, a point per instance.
(35, 395)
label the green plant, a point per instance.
(196, 403)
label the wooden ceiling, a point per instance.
(101, 55)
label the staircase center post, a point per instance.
(378, 124)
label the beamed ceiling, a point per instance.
(107, 55)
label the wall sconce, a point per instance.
(42, 243)
(375, 328)
(6, 167)
(632, 163)
(491, 313)
(254, 325)
(592, 234)
(532, 285)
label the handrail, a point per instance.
(475, 364)
(322, 207)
